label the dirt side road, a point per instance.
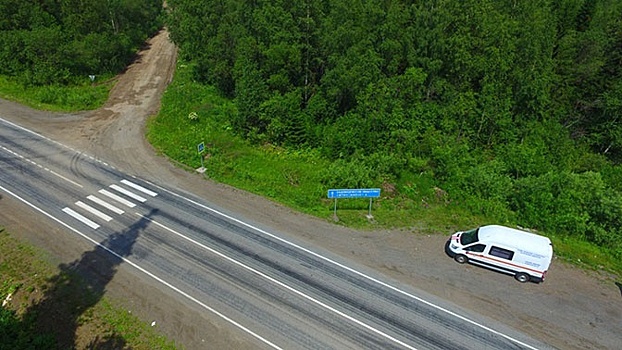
(573, 309)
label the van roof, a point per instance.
(510, 237)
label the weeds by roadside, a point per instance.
(28, 282)
(57, 98)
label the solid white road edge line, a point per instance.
(384, 284)
(143, 270)
(279, 283)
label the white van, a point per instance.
(525, 255)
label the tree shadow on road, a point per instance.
(80, 285)
(619, 287)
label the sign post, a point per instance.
(354, 193)
(201, 149)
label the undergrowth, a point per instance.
(87, 96)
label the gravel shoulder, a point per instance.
(573, 309)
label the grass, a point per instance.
(193, 113)
(85, 96)
(28, 277)
(586, 255)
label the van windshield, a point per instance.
(469, 237)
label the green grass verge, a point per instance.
(586, 255)
(192, 113)
(26, 275)
(86, 96)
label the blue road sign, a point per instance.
(354, 193)
(201, 147)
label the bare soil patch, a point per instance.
(573, 309)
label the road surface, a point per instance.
(280, 292)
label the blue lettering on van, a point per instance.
(528, 253)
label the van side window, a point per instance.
(501, 253)
(478, 248)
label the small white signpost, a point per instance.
(201, 149)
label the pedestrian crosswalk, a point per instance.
(106, 202)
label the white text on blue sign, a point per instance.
(354, 193)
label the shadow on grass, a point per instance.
(79, 286)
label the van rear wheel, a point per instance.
(522, 277)
(461, 259)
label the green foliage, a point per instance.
(347, 174)
(585, 254)
(79, 97)
(15, 334)
(580, 205)
(62, 42)
(433, 181)
(481, 70)
(501, 110)
(486, 188)
(177, 134)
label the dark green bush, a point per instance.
(580, 205)
(45, 42)
(348, 174)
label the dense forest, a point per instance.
(513, 108)
(64, 41)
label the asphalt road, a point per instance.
(278, 291)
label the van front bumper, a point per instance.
(448, 250)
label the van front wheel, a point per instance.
(461, 259)
(522, 277)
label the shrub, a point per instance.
(348, 174)
(580, 205)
